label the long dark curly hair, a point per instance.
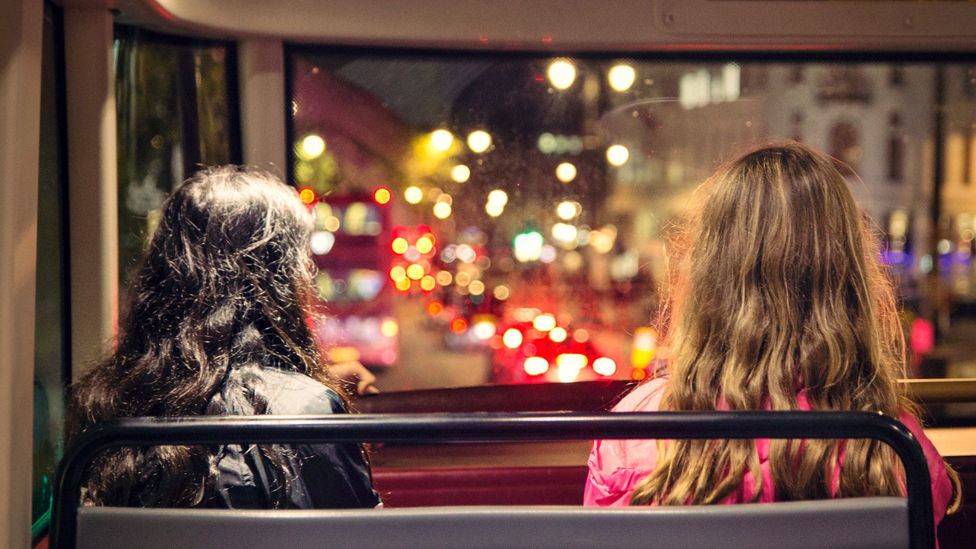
(223, 291)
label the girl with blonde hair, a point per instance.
(778, 301)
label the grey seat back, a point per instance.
(856, 523)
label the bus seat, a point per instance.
(877, 522)
(429, 487)
(855, 522)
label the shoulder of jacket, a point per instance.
(294, 393)
(645, 397)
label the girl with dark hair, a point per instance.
(777, 302)
(217, 323)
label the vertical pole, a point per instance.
(92, 183)
(21, 27)
(938, 306)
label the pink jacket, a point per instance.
(616, 466)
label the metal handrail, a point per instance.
(493, 428)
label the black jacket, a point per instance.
(328, 475)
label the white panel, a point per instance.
(20, 115)
(262, 94)
(635, 25)
(92, 183)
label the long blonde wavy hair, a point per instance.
(776, 288)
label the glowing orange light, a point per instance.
(399, 245)
(306, 195)
(638, 374)
(382, 195)
(459, 325)
(435, 308)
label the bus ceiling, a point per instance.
(552, 25)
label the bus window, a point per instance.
(349, 250)
(547, 185)
(174, 115)
(51, 326)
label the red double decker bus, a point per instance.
(349, 249)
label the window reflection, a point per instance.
(173, 117)
(547, 186)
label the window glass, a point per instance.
(521, 202)
(175, 114)
(50, 328)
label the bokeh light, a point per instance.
(544, 322)
(306, 195)
(617, 155)
(605, 366)
(389, 327)
(483, 329)
(399, 245)
(444, 278)
(398, 273)
(413, 195)
(460, 173)
(558, 334)
(528, 246)
(566, 172)
(415, 271)
(494, 209)
(564, 233)
(441, 140)
(459, 325)
(425, 244)
(512, 338)
(435, 308)
(621, 77)
(567, 210)
(321, 242)
(313, 146)
(499, 196)
(442, 210)
(535, 365)
(476, 287)
(479, 141)
(561, 73)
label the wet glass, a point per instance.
(524, 202)
(174, 116)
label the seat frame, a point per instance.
(482, 427)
